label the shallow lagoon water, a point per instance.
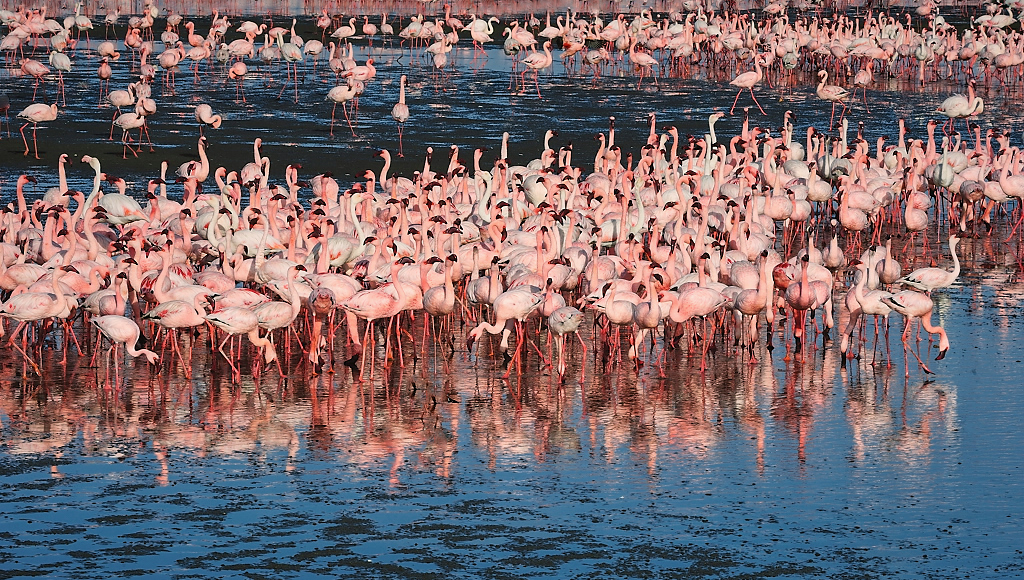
(445, 469)
(780, 469)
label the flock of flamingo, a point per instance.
(717, 45)
(700, 241)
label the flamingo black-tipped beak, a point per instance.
(469, 344)
(942, 354)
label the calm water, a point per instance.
(445, 469)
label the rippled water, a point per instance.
(443, 468)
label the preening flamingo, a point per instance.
(205, 116)
(341, 94)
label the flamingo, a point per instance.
(237, 73)
(372, 305)
(928, 279)
(341, 94)
(400, 112)
(292, 54)
(345, 30)
(205, 116)
(36, 113)
(800, 296)
(961, 106)
(369, 29)
(747, 81)
(34, 68)
(274, 314)
(561, 322)
(440, 300)
(128, 122)
(750, 303)
(37, 306)
(912, 304)
(644, 62)
(120, 99)
(197, 170)
(236, 321)
(62, 63)
(173, 315)
(104, 72)
(831, 93)
(862, 80)
(515, 304)
(122, 330)
(858, 303)
(537, 62)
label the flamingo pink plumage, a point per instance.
(832, 93)
(36, 113)
(912, 304)
(747, 81)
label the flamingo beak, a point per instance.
(942, 354)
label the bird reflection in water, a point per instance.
(410, 421)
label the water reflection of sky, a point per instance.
(875, 470)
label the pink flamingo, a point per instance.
(236, 321)
(104, 72)
(928, 279)
(751, 302)
(121, 330)
(912, 304)
(237, 73)
(747, 81)
(439, 301)
(537, 62)
(35, 307)
(1013, 186)
(174, 315)
(858, 303)
(34, 68)
(205, 116)
(372, 305)
(119, 99)
(831, 93)
(323, 304)
(127, 123)
(644, 62)
(292, 55)
(800, 296)
(275, 314)
(341, 94)
(516, 304)
(561, 322)
(961, 106)
(36, 113)
(197, 170)
(862, 80)
(400, 112)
